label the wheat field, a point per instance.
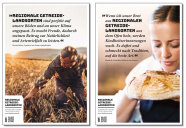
(20, 76)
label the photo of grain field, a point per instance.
(20, 76)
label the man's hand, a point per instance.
(31, 94)
(28, 97)
(56, 75)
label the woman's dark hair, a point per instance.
(170, 13)
(68, 52)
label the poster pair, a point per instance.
(46, 64)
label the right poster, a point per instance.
(139, 64)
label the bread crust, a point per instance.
(155, 85)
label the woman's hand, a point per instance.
(125, 109)
(178, 99)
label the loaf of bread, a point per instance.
(155, 85)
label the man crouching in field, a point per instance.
(67, 69)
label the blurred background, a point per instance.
(43, 54)
(112, 74)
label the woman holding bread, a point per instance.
(165, 40)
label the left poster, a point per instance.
(45, 64)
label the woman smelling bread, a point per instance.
(165, 41)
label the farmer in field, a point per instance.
(67, 68)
